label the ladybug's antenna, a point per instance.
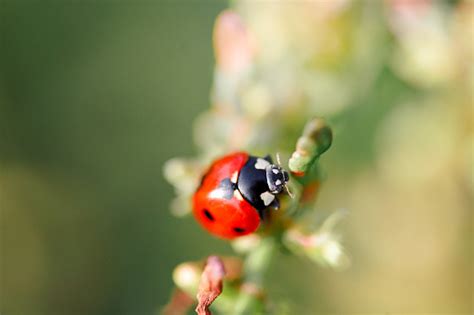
(278, 158)
(292, 196)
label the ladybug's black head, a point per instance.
(276, 178)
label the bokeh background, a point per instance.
(96, 96)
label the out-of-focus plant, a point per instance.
(280, 63)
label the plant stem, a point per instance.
(255, 267)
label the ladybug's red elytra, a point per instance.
(235, 191)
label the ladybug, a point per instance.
(234, 193)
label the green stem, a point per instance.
(255, 267)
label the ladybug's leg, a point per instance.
(265, 214)
(275, 205)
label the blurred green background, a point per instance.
(96, 96)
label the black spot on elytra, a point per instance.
(239, 230)
(208, 215)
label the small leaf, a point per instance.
(321, 246)
(210, 286)
(184, 174)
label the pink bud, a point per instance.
(233, 45)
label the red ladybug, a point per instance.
(234, 193)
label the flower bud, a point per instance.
(186, 276)
(315, 140)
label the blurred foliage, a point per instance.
(95, 97)
(92, 104)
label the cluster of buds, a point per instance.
(201, 282)
(322, 246)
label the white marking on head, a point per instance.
(275, 171)
(267, 198)
(261, 164)
(278, 182)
